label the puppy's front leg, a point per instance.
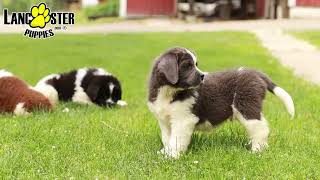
(165, 132)
(181, 132)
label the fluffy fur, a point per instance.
(83, 86)
(182, 102)
(19, 98)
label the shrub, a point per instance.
(25, 5)
(17, 5)
(110, 8)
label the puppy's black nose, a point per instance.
(202, 77)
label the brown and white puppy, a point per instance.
(182, 102)
(19, 98)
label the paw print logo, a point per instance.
(41, 16)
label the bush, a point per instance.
(110, 8)
(25, 5)
(17, 5)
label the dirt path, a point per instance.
(299, 55)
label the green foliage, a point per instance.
(121, 143)
(55, 4)
(110, 8)
(25, 5)
(17, 5)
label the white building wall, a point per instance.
(86, 3)
(123, 8)
(305, 12)
(298, 12)
(292, 3)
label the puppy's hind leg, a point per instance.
(257, 129)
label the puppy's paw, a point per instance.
(258, 147)
(162, 151)
(169, 153)
(66, 110)
(122, 103)
(20, 110)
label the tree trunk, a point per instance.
(285, 8)
(191, 4)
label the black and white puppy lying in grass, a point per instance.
(83, 86)
(185, 99)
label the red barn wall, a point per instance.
(151, 7)
(260, 8)
(308, 3)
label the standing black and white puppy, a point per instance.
(83, 86)
(183, 100)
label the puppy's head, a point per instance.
(178, 68)
(104, 91)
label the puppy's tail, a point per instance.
(280, 93)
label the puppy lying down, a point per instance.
(83, 86)
(185, 99)
(19, 98)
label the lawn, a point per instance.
(311, 36)
(91, 142)
(82, 19)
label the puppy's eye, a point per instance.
(188, 65)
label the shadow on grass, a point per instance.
(227, 138)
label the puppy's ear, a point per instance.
(117, 92)
(93, 90)
(168, 65)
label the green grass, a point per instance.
(91, 142)
(82, 19)
(311, 36)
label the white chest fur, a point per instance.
(176, 121)
(165, 109)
